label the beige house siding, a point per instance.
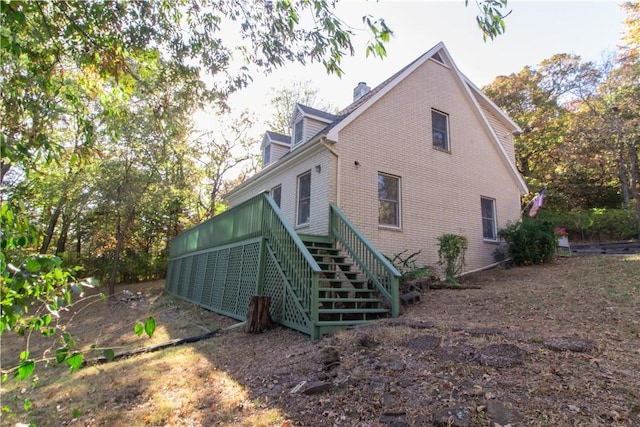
(312, 127)
(440, 191)
(322, 182)
(503, 134)
(277, 151)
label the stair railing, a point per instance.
(379, 271)
(258, 217)
(302, 271)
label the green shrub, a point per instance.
(451, 254)
(531, 241)
(406, 265)
(594, 224)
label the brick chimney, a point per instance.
(361, 90)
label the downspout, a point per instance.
(338, 164)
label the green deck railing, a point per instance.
(248, 250)
(379, 271)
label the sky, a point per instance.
(535, 31)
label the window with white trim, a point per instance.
(266, 155)
(388, 200)
(297, 132)
(304, 199)
(440, 130)
(489, 223)
(276, 193)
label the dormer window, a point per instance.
(266, 155)
(297, 133)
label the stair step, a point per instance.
(343, 322)
(346, 300)
(346, 273)
(342, 265)
(339, 280)
(352, 310)
(335, 259)
(346, 290)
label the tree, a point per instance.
(283, 102)
(229, 150)
(491, 16)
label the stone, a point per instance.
(574, 344)
(366, 341)
(460, 352)
(394, 418)
(478, 332)
(501, 356)
(424, 342)
(397, 365)
(500, 414)
(317, 388)
(330, 357)
(388, 400)
(456, 416)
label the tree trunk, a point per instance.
(64, 234)
(634, 170)
(52, 226)
(622, 172)
(258, 315)
(116, 256)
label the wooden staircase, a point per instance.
(345, 298)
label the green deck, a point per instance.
(316, 283)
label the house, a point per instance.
(422, 154)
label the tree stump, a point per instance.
(258, 315)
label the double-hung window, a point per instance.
(440, 130)
(297, 132)
(388, 200)
(304, 198)
(276, 193)
(489, 224)
(266, 155)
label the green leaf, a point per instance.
(27, 404)
(25, 369)
(109, 354)
(76, 413)
(24, 355)
(75, 361)
(150, 326)
(34, 265)
(48, 332)
(61, 354)
(139, 329)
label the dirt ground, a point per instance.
(555, 345)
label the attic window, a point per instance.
(436, 56)
(440, 130)
(266, 155)
(297, 133)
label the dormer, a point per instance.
(307, 122)
(274, 146)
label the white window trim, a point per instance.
(399, 201)
(298, 200)
(301, 123)
(274, 189)
(494, 219)
(447, 148)
(266, 155)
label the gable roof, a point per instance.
(278, 137)
(441, 55)
(317, 114)
(471, 92)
